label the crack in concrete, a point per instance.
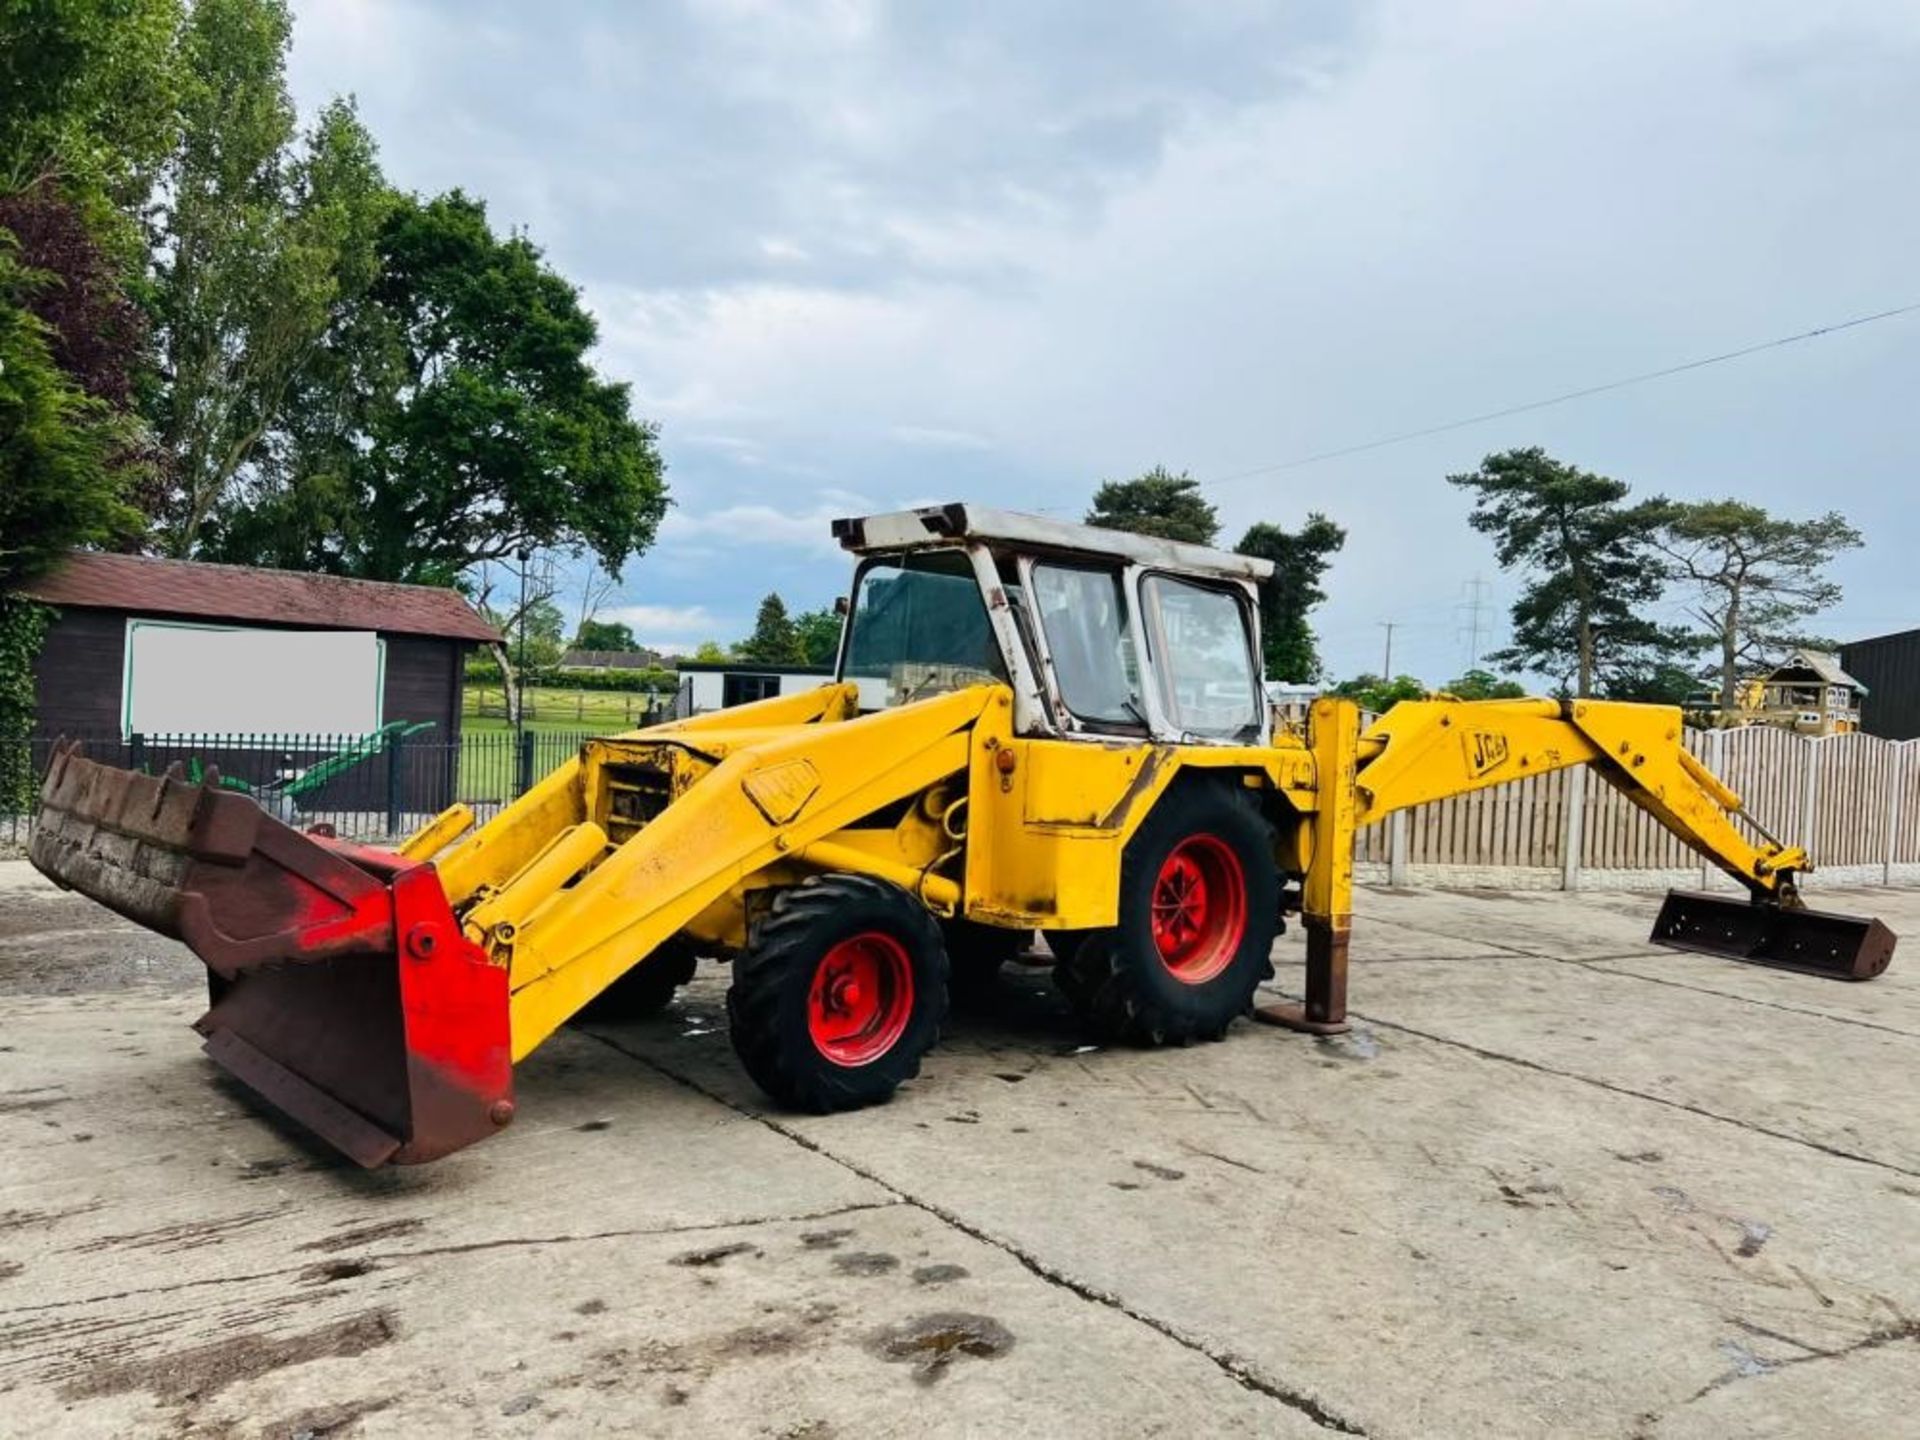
(1543, 1069)
(1242, 1372)
(1872, 1340)
(506, 1242)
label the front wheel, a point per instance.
(840, 991)
(1199, 904)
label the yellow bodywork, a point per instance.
(683, 827)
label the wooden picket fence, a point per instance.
(1852, 800)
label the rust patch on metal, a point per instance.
(1324, 1012)
(1142, 782)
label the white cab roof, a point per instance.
(936, 525)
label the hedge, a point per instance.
(555, 677)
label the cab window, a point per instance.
(1203, 659)
(1083, 615)
(919, 627)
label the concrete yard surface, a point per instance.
(1554, 1182)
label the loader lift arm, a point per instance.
(1428, 750)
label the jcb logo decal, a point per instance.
(1485, 751)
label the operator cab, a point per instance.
(1100, 634)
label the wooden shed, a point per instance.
(147, 646)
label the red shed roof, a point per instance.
(149, 586)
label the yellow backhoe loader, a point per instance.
(1034, 726)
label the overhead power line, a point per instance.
(1580, 394)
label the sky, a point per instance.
(854, 256)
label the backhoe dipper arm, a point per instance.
(1427, 750)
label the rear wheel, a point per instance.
(646, 989)
(840, 991)
(1199, 898)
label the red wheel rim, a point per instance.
(1199, 908)
(861, 999)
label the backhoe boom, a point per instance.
(1427, 750)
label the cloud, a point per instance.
(665, 626)
(762, 525)
(936, 438)
(1000, 252)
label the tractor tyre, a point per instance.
(840, 991)
(1199, 905)
(976, 953)
(646, 989)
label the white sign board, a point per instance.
(229, 680)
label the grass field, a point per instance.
(558, 720)
(570, 712)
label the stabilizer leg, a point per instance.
(1327, 897)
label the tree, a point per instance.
(1478, 684)
(466, 422)
(1156, 503)
(605, 635)
(819, 633)
(1299, 559)
(256, 248)
(1591, 572)
(1378, 695)
(1752, 575)
(95, 332)
(1661, 682)
(534, 637)
(60, 486)
(59, 446)
(711, 652)
(774, 640)
(91, 101)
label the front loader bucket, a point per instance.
(1818, 942)
(343, 990)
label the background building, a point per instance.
(1889, 666)
(261, 672)
(722, 684)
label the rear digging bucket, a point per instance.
(343, 989)
(1816, 942)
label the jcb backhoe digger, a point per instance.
(1035, 726)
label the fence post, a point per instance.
(1576, 826)
(526, 764)
(1397, 849)
(136, 751)
(1896, 783)
(396, 749)
(1810, 796)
